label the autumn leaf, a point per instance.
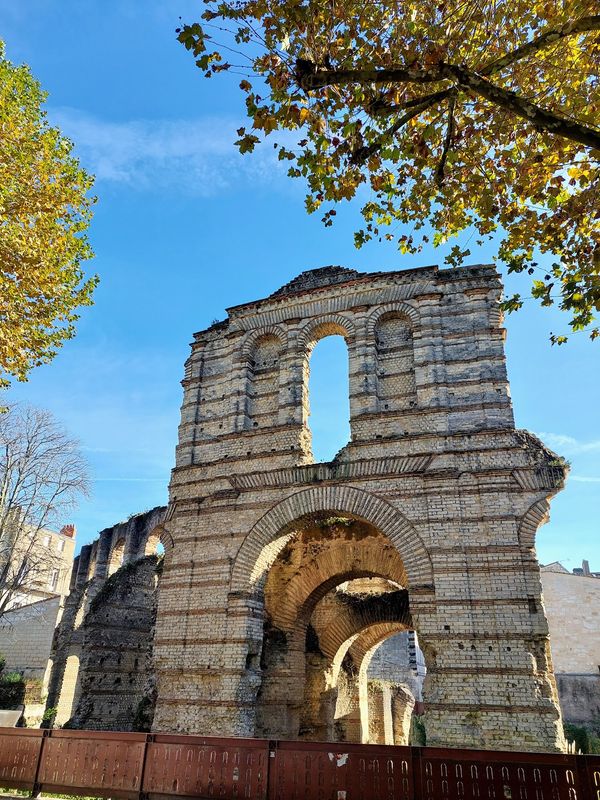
(45, 209)
(478, 116)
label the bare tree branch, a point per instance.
(42, 475)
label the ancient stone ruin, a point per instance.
(283, 577)
(101, 674)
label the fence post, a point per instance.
(586, 790)
(37, 789)
(416, 766)
(149, 738)
(271, 756)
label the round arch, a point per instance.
(327, 325)
(377, 558)
(536, 516)
(337, 639)
(402, 309)
(254, 337)
(265, 541)
(116, 556)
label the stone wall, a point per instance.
(116, 676)
(572, 604)
(101, 672)
(26, 637)
(579, 698)
(436, 475)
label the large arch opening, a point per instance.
(333, 592)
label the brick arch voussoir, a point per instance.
(402, 309)
(249, 567)
(534, 518)
(347, 626)
(325, 325)
(254, 337)
(363, 642)
(371, 637)
(316, 580)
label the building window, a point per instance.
(60, 545)
(53, 580)
(46, 541)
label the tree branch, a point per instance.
(310, 76)
(362, 154)
(380, 107)
(537, 116)
(439, 173)
(582, 25)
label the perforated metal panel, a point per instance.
(161, 766)
(191, 766)
(93, 762)
(321, 771)
(591, 766)
(19, 752)
(455, 774)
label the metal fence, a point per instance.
(161, 766)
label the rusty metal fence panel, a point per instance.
(19, 757)
(446, 774)
(322, 771)
(97, 763)
(590, 767)
(161, 766)
(194, 766)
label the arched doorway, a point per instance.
(332, 587)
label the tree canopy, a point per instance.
(44, 213)
(475, 116)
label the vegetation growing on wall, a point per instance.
(587, 740)
(12, 687)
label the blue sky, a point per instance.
(184, 227)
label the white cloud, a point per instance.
(568, 445)
(196, 156)
(583, 479)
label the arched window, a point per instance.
(263, 389)
(328, 402)
(115, 560)
(153, 545)
(395, 363)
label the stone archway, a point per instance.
(268, 536)
(322, 556)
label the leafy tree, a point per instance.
(44, 213)
(476, 115)
(42, 475)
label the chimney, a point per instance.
(70, 530)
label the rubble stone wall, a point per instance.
(101, 674)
